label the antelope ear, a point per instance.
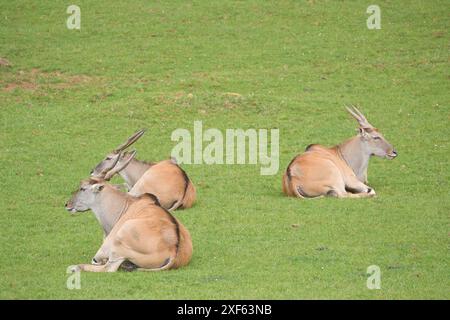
(129, 155)
(363, 133)
(97, 187)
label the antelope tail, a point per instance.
(286, 186)
(188, 198)
(291, 187)
(169, 263)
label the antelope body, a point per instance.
(339, 171)
(137, 229)
(165, 179)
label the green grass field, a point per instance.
(70, 96)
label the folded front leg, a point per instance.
(110, 266)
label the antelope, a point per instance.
(138, 230)
(165, 179)
(339, 171)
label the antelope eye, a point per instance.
(376, 138)
(82, 189)
(108, 158)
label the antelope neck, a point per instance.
(133, 171)
(109, 210)
(355, 155)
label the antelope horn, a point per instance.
(353, 113)
(130, 141)
(359, 117)
(106, 170)
(116, 169)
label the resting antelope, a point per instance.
(165, 179)
(137, 229)
(340, 171)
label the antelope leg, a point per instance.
(110, 266)
(353, 185)
(101, 257)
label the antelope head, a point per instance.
(374, 141)
(116, 160)
(86, 195)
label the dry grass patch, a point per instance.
(38, 80)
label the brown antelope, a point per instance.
(138, 230)
(165, 179)
(340, 171)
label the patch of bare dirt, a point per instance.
(4, 62)
(22, 85)
(36, 79)
(438, 34)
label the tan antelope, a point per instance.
(340, 171)
(138, 230)
(165, 179)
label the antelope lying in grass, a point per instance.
(165, 179)
(340, 171)
(137, 229)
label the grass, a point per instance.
(70, 96)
